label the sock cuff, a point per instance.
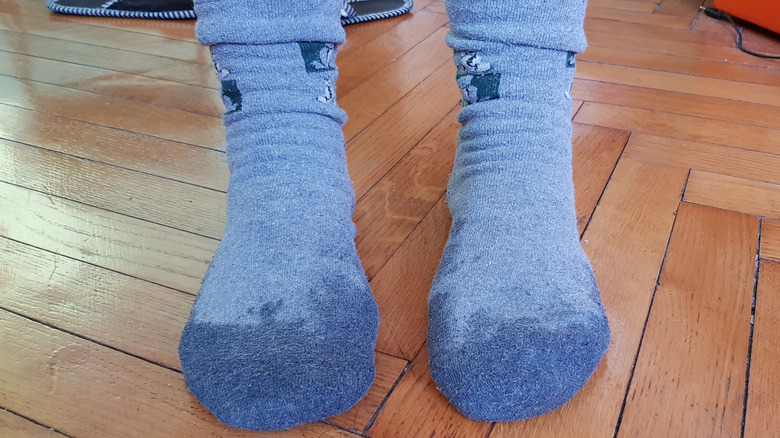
(268, 22)
(549, 24)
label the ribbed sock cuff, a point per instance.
(268, 22)
(549, 24)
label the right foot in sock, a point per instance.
(284, 327)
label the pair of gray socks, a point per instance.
(284, 328)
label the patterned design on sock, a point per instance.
(231, 95)
(571, 59)
(476, 79)
(318, 57)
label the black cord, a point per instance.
(719, 15)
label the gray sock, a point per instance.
(284, 327)
(516, 322)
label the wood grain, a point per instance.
(130, 150)
(679, 126)
(126, 313)
(45, 371)
(14, 426)
(368, 101)
(359, 65)
(164, 256)
(770, 239)
(112, 59)
(730, 193)
(416, 409)
(726, 110)
(393, 208)
(625, 241)
(176, 205)
(105, 37)
(401, 287)
(722, 160)
(679, 82)
(375, 150)
(690, 372)
(595, 153)
(675, 64)
(763, 402)
(97, 80)
(167, 123)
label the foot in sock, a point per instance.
(284, 327)
(517, 326)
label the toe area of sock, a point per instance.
(248, 379)
(511, 372)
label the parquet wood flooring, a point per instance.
(112, 198)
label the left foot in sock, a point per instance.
(517, 326)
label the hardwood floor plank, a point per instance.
(731, 193)
(167, 123)
(708, 157)
(126, 313)
(679, 82)
(726, 110)
(416, 409)
(682, 43)
(388, 370)
(14, 426)
(175, 29)
(160, 67)
(105, 37)
(401, 286)
(625, 241)
(680, 127)
(177, 161)
(137, 248)
(111, 83)
(690, 373)
(681, 8)
(437, 7)
(595, 153)
(676, 64)
(360, 65)
(360, 34)
(139, 195)
(625, 5)
(375, 150)
(393, 208)
(370, 100)
(87, 390)
(670, 21)
(763, 402)
(770, 240)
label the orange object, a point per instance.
(765, 13)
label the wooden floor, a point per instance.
(112, 197)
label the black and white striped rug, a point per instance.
(354, 11)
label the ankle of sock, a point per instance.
(268, 21)
(552, 24)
